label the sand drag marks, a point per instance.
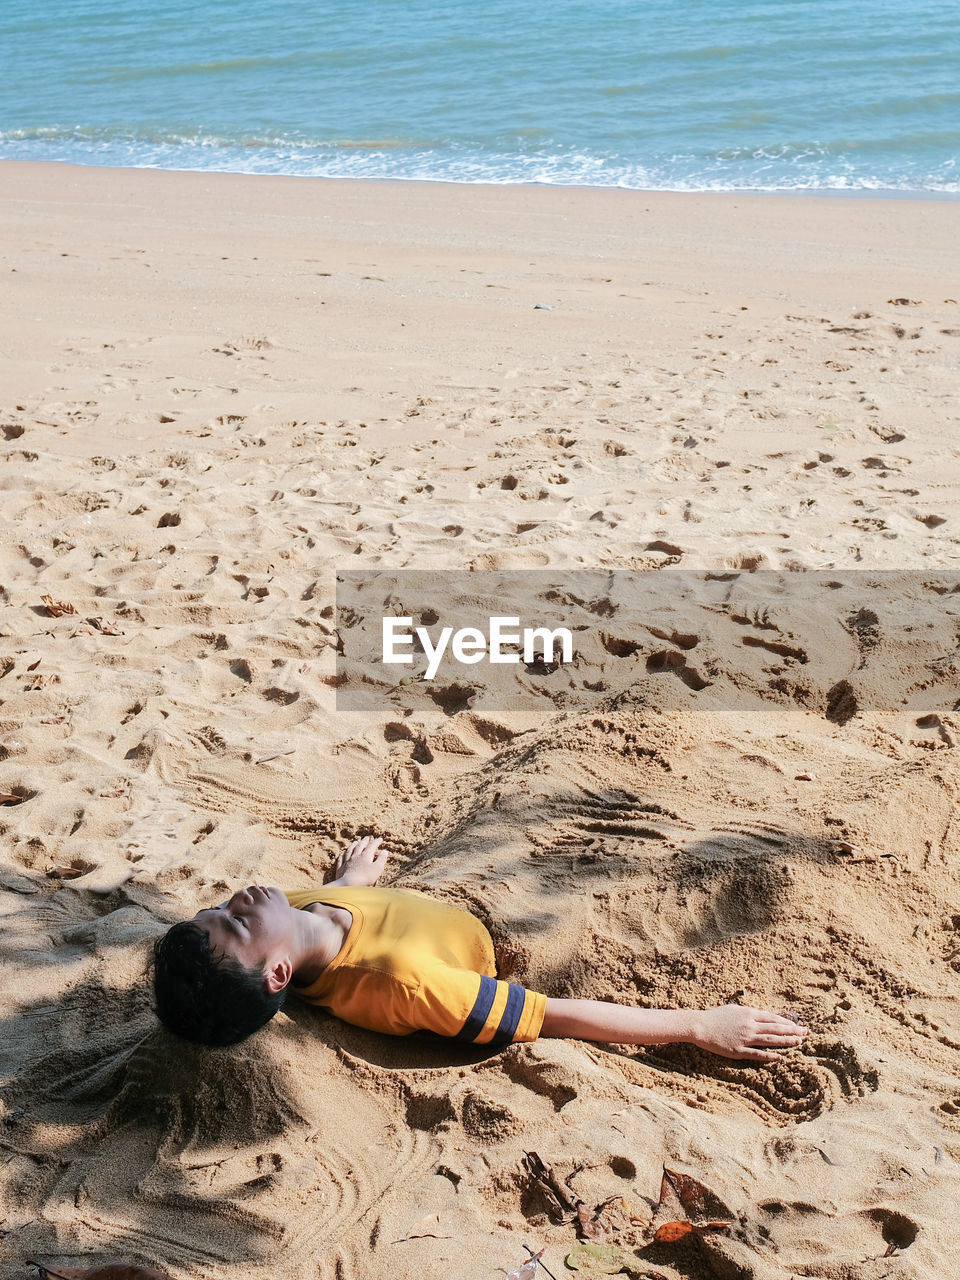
(122, 1125)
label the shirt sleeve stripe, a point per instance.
(480, 1011)
(511, 1016)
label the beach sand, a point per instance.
(220, 390)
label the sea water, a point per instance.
(723, 95)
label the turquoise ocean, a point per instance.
(724, 95)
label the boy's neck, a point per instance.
(322, 936)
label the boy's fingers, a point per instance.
(783, 1024)
(760, 1055)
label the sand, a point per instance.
(218, 391)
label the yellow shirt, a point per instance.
(412, 963)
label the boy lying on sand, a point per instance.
(397, 961)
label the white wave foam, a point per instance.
(799, 167)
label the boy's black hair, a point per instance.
(205, 996)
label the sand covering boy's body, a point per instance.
(413, 963)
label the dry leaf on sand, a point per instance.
(600, 1259)
(57, 607)
(671, 1232)
(40, 681)
(679, 1189)
(687, 1190)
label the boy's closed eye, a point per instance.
(236, 921)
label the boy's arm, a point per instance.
(731, 1030)
(360, 865)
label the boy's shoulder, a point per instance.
(368, 892)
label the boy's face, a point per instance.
(254, 927)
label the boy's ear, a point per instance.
(279, 975)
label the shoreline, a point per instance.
(855, 193)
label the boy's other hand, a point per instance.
(361, 863)
(734, 1031)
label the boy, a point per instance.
(398, 961)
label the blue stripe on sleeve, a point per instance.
(480, 1011)
(511, 1016)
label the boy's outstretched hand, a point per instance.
(732, 1030)
(735, 1031)
(361, 863)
